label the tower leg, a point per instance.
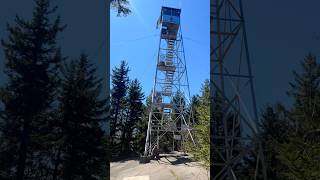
(235, 133)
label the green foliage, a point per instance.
(306, 94)
(274, 131)
(201, 107)
(50, 125)
(32, 59)
(80, 142)
(300, 159)
(299, 155)
(141, 127)
(118, 103)
(121, 6)
(290, 138)
(132, 124)
(128, 125)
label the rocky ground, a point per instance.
(174, 166)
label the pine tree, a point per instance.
(32, 59)
(118, 102)
(81, 139)
(135, 113)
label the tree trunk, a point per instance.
(112, 131)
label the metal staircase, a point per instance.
(166, 115)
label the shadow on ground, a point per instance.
(176, 159)
(125, 157)
(172, 158)
(170, 167)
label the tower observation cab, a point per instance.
(170, 20)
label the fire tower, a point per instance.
(234, 132)
(170, 112)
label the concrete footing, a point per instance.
(144, 159)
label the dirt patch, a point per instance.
(175, 166)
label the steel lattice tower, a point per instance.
(234, 130)
(170, 111)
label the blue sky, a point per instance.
(85, 32)
(135, 39)
(280, 35)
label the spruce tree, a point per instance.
(118, 103)
(32, 58)
(81, 138)
(135, 113)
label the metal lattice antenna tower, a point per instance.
(170, 112)
(234, 132)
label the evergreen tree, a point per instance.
(300, 158)
(274, 131)
(305, 92)
(32, 59)
(141, 134)
(299, 155)
(201, 151)
(81, 139)
(142, 126)
(118, 103)
(195, 103)
(134, 114)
